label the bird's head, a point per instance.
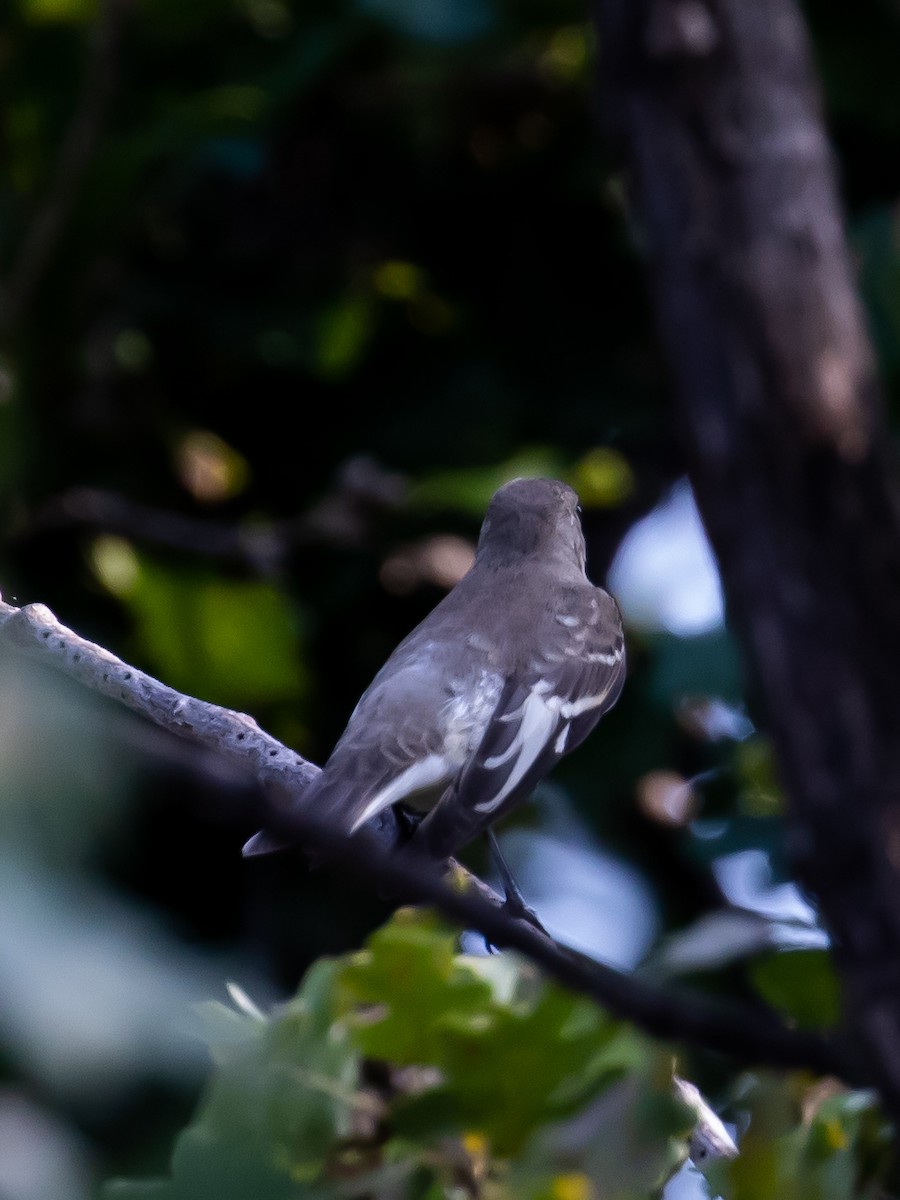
(533, 517)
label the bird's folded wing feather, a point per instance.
(391, 750)
(404, 743)
(538, 718)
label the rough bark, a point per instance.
(716, 108)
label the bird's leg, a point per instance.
(407, 822)
(515, 902)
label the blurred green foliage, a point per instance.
(807, 1143)
(399, 1070)
(803, 985)
(286, 290)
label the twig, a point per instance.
(668, 1014)
(261, 547)
(234, 735)
(745, 1035)
(360, 493)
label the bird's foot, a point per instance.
(515, 906)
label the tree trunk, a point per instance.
(716, 108)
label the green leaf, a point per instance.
(411, 985)
(603, 478)
(344, 334)
(148, 1189)
(760, 791)
(229, 641)
(623, 1144)
(805, 1141)
(485, 1069)
(285, 1092)
(556, 1044)
(802, 985)
(468, 490)
(62, 12)
(423, 1004)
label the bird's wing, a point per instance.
(406, 740)
(391, 750)
(539, 717)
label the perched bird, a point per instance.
(509, 672)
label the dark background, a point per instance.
(287, 291)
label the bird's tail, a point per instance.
(264, 843)
(328, 808)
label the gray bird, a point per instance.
(509, 672)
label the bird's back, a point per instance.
(422, 718)
(510, 671)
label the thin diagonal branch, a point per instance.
(235, 736)
(361, 492)
(665, 1013)
(745, 1035)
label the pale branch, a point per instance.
(743, 1034)
(236, 736)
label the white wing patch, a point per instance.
(422, 775)
(539, 721)
(463, 720)
(568, 620)
(537, 724)
(575, 708)
(609, 659)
